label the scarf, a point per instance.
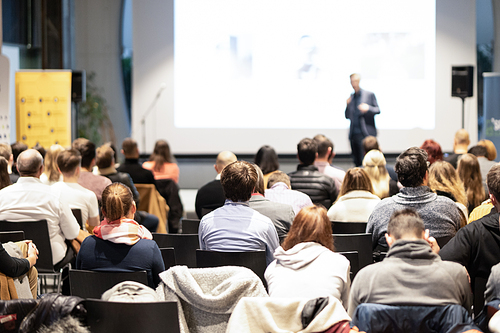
(122, 231)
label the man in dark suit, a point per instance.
(211, 195)
(361, 110)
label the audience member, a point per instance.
(87, 179)
(440, 214)
(460, 144)
(324, 160)
(490, 148)
(482, 210)
(493, 285)
(4, 173)
(279, 190)
(371, 143)
(17, 148)
(281, 215)
(433, 149)
(78, 197)
(444, 180)
(16, 267)
(162, 162)
(119, 243)
(356, 198)
(38, 147)
(6, 152)
(267, 160)
(131, 165)
(484, 163)
(411, 273)
(375, 166)
(470, 174)
(29, 199)
(306, 264)
(51, 174)
(235, 226)
(307, 179)
(211, 196)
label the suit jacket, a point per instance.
(367, 119)
(281, 215)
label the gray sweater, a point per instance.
(440, 214)
(411, 274)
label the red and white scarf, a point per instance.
(122, 231)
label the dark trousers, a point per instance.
(357, 149)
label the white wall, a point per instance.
(153, 65)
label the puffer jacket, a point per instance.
(319, 187)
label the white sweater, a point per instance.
(354, 206)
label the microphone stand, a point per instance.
(146, 114)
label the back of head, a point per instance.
(356, 179)
(68, 161)
(224, 158)
(40, 149)
(5, 151)
(478, 151)
(433, 149)
(117, 201)
(323, 144)
(267, 159)
(4, 173)
(307, 150)
(443, 177)
(369, 143)
(161, 154)
(29, 163)
(18, 148)
(259, 186)
(405, 223)
(86, 149)
(493, 181)
(129, 147)
(51, 164)
(490, 147)
(411, 166)
(104, 156)
(239, 180)
(462, 137)
(374, 166)
(310, 225)
(278, 177)
(468, 169)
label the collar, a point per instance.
(307, 167)
(131, 161)
(107, 171)
(217, 177)
(229, 202)
(257, 195)
(411, 249)
(279, 185)
(321, 163)
(29, 180)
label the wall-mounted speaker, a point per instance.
(462, 79)
(78, 90)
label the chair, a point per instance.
(153, 203)
(38, 232)
(185, 246)
(353, 258)
(170, 191)
(77, 213)
(479, 284)
(168, 255)
(120, 317)
(92, 284)
(11, 236)
(254, 260)
(348, 227)
(362, 243)
(190, 226)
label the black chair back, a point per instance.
(77, 212)
(362, 243)
(254, 260)
(168, 255)
(38, 232)
(185, 246)
(11, 236)
(479, 289)
(121, 317)
(353, 258)
(190, 226)
(348, 227)
(92, 284)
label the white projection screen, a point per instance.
(240, 74)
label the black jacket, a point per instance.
(319, 187)
(210, 196)
(136, 171)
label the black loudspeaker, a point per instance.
(462, 78)
(78, 90)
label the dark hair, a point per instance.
(433, 149)
(129, 146)
(29, 162)
(86, 149)
(370, 143)
(259, 186)
(470, 174)
(355, 179)
(116, 201)
(18, 148)
(411, 166)
(161, 155)
(493, 181)
(69, 160)
(40, 149)
(5, 151)
(405, 222)
(310, 225)
(323, 144)
(267, 159)
(307, 149)
(4, 173)
(478, 151)
(277, 177)
(104, 157)
(238, 181)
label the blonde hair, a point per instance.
(50, 161)
(490, 148)
(374, 165)
(443, 177)
(355, 179)
(470, 173)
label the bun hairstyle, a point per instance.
(117, 201)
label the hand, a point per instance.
(32, 253)
(363, 107)
(349, 100)
(432, 242)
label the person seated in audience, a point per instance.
(16, 267)
(77, 196)
(162, 162)
(281, 215)
(477, 245)
(267, 160)
(51, 174)
(490, 148)
(4, 173)
(324, 160)
(356, 198)
(87, 179)
(444, 180)
(369, 143)
(460, 144)
(493, 285)
(119, 243)
(6, 152)
(17, 148)
(235, 226)
(307, 179)
(211, 196)
(482, 210)
(280, 190)
(440, 214)
(433, 149)
(306, 264)
(411, 273)
(484, 163)
(131, 165)
(375, 166)
(470, 174)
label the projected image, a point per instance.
(307, 51)
(234, 56)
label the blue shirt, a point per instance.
(237, 227)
